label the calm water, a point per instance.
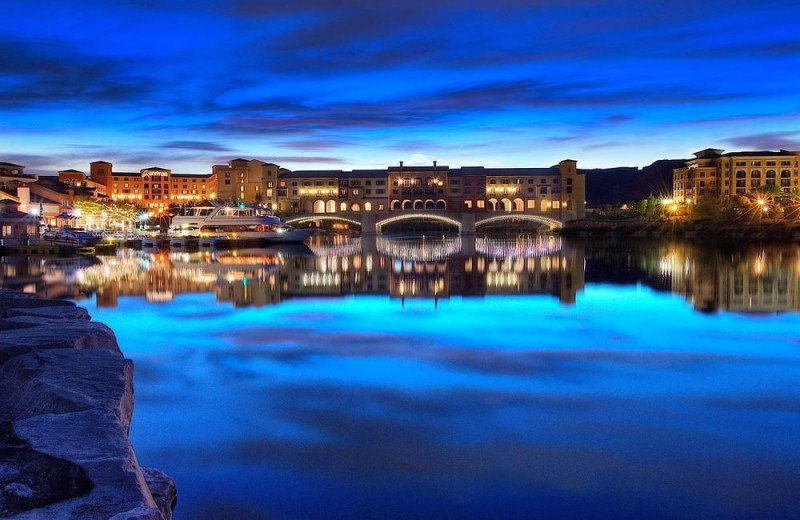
(406, 379)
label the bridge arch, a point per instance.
(312, 218)
(516, 216)
(416, 216)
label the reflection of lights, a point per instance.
(346, 246)
(759, 266)
(419, 250)
(321, 279)
(525, 247)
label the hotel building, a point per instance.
(559, 190)
(713, 173)
(246, 181)
(153, 187)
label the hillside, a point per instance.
(627, 184)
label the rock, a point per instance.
(17, 300)
(24, 334)
(59, 312)
(30, 479)
(62, 381)
(66, 399)
(96, 440)
(163, 489)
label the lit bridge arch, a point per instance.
(313, 218)
(416, 216)
(517, 216)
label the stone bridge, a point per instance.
(466, 223)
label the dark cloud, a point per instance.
(304, 117)
(314, 144)
(38, 72)
(767, 141)
(196, 145)
(288, 159)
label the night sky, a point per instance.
(186, 84)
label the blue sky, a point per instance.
(358, 83)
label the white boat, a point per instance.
(69, 236)
(234, 222)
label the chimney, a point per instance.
(434, 165)
(401, 165)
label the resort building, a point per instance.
(246, 181)
(153, 187)
(559, 190)
(713, 173)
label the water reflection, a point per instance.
(758, 279)
(554, 379)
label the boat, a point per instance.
(234, 222)
(68, 236)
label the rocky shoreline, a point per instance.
(66, 399)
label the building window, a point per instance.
(531, 203)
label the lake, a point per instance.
(530, 377)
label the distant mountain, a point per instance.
(629, 184)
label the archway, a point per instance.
(395, 206)
(407, 205)
(355, 207)
(429, 204)
(331, 206)
(506, 205)
(367, 206)
(441, 204)
(519, 205)
(418, 204)
(343, 206)
(492, 204)
(319, 206)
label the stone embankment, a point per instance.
(66, 399)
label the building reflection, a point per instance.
(743, 280)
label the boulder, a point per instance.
(66, 399)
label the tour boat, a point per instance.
(234, 222)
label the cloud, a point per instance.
(197, 145)
(34, 74)
(767, 141)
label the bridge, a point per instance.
(466, 223)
